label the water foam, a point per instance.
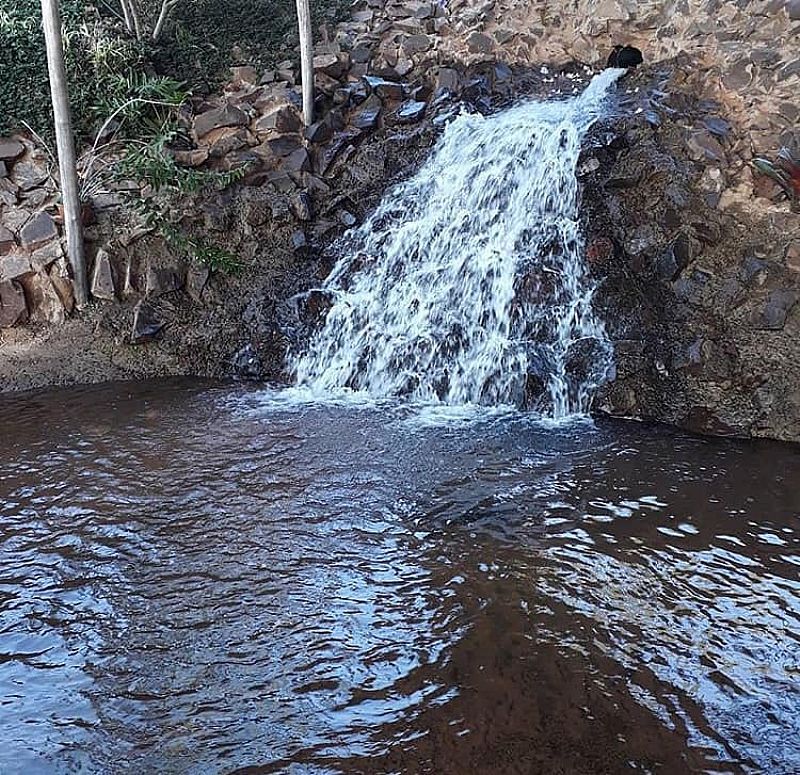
(467, 285)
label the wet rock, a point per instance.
(146, 323)
(10, 148)
(383, 88)
(103, 285)
(368, 113)
(14, 265)
(299, 241)
(219, 117)
(411, 111)
(301, 206)
(13, 307)
(246, 364)
(447, 79)
(40, 229)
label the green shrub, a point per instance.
(95, 57)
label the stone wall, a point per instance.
(695, 246)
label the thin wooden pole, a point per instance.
(66, 148)
(306, 59)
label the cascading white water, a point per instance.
(467, 284)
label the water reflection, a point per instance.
(195, 579)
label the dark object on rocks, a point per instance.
(625, 56)
(247, 365)
(146, 325)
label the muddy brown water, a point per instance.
(200, 578)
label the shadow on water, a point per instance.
(199, 578)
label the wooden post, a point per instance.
(70, 197)
(306, 59)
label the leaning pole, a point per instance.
(65, 145)
(306, 59)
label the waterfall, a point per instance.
(467, 284)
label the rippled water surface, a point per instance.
(198, 579)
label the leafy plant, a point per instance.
(165, 184)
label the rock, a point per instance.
(284, 145)
(383, 88)
(146, 324)
(793, 9)
(14, 265)
(62, 285)
(28, 175)
(8, 192)
(103, 286)
(45, 303)
(703, 146)
(44, 257)
(447, 79)
(361, 54)
(7, 241)
(13, 307)
(411, 111)
(416, 44)
(772, 316)
(40, 229)
(611, 10)
(301, 206)
(792, 257)
(196, 280)
(246, 364)
(3, 170)
(10, 148)
(478, 43)
(368, 113)
(161, 280)
(299, 241)
(194, 158)
(217, 118)
(245, 74)
(333, 65)
(347, 218)
(319, 132)
(225, 140)
(280, 118)
(297, 161)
